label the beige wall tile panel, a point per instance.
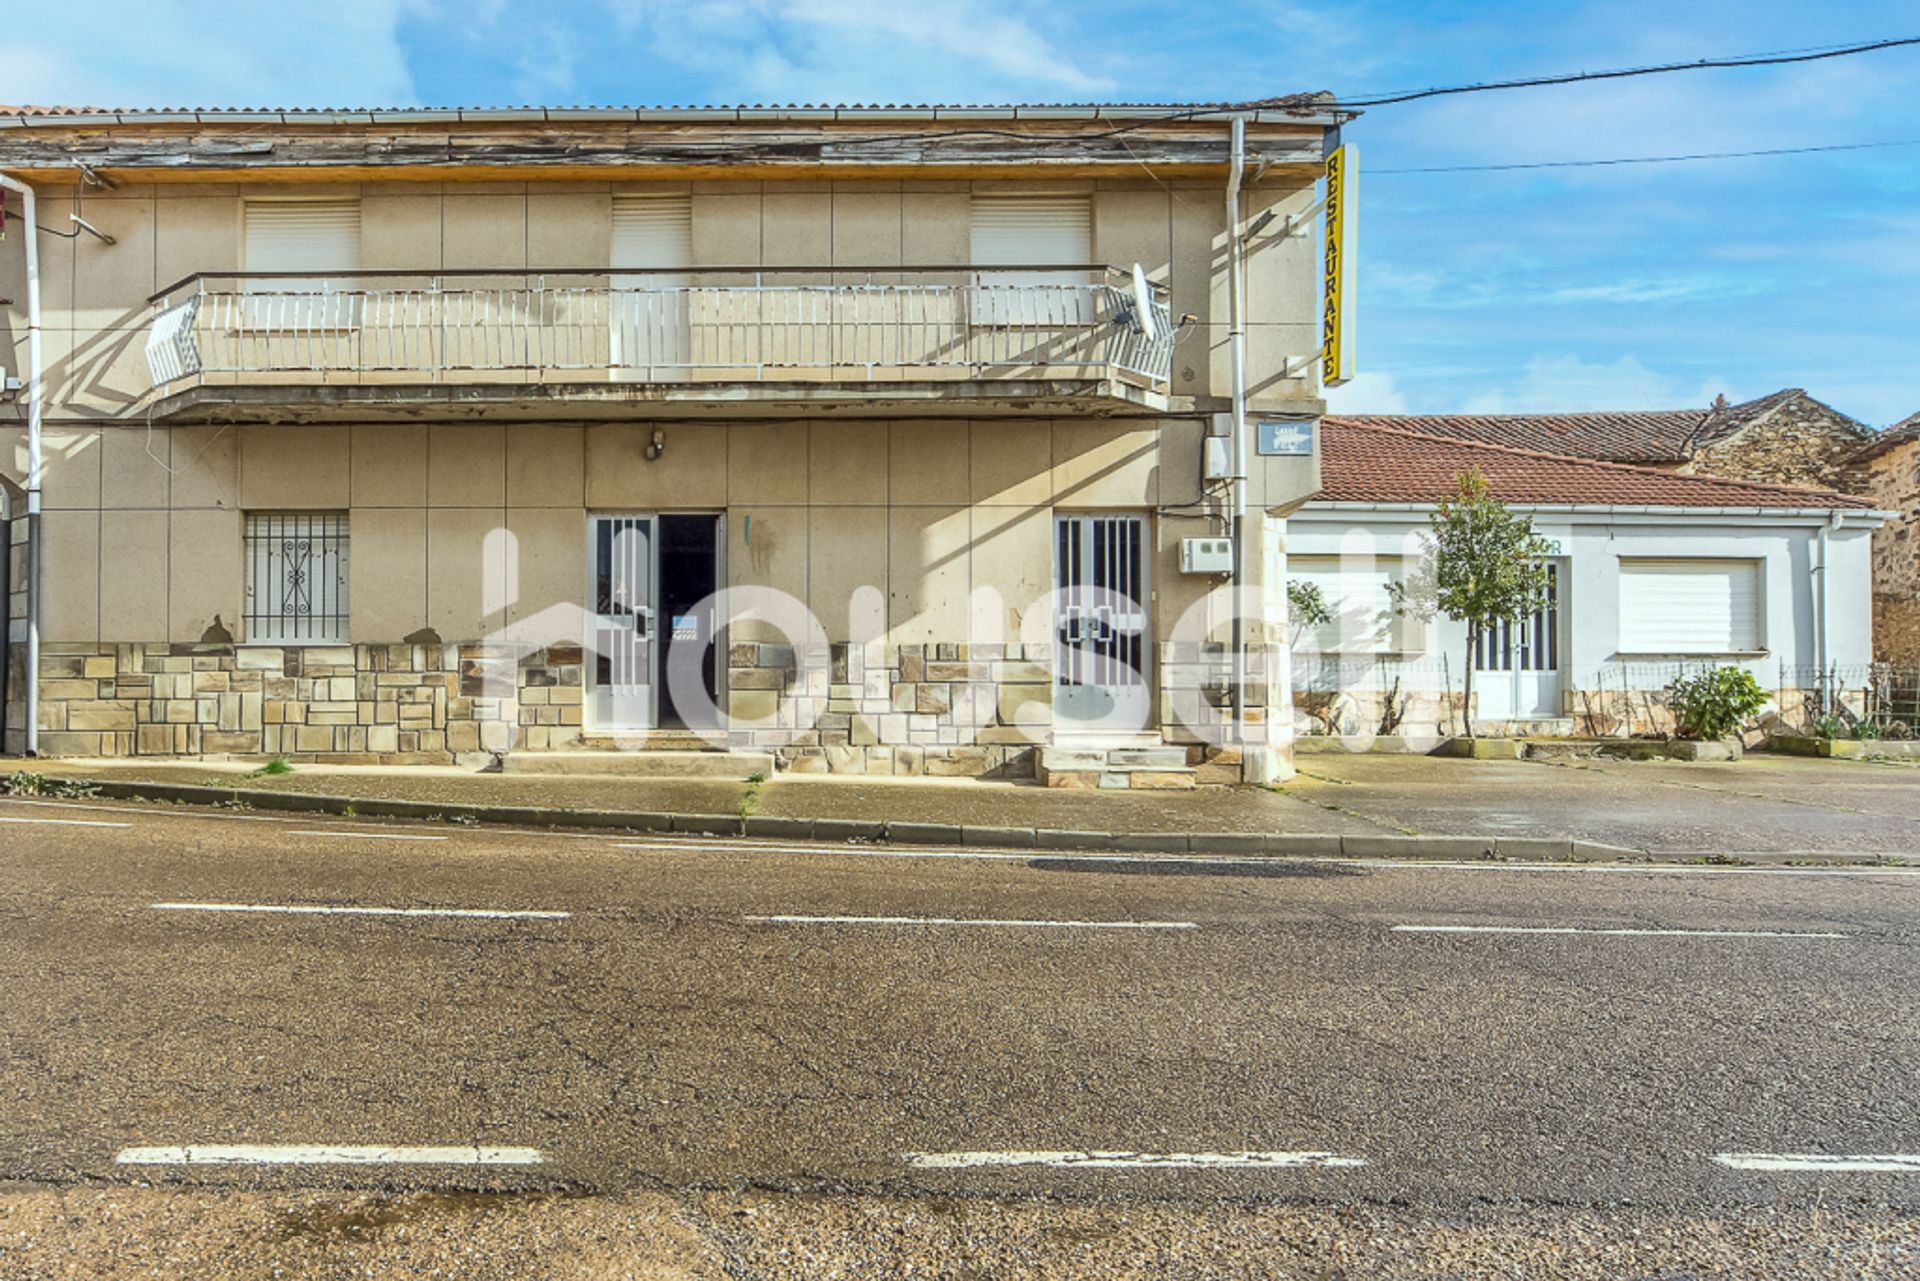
(726, 230)
(766, 463)
(546, 465)
(1099, 464)
(848, 552)
(111, 282)
(13, 454)
(98, 372)
(1011, 462)
(927, 574)
(388, 591)
(467, 554)
(766, 547)
(935, 228)
(389, 465)
(208, 578)
(866, 228)
(467, 465)
(206, 466)
(294, 468)
(550, 582)
(133, 575)
(1012, 575)
(194, 234)
(1180, 450)
(1134, 226)
(692, 473)
(569, 230)
(70, 573)
(71, 456)
(400, 233)
(847, 463)
(928, 461)
(484, 231)
(134, 465)
(798, 228)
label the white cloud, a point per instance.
(203, 53)
(1561, 384)
(1369, 392)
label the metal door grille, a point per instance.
(296, 578)
(1530, 645)
(1100, 672)
(623, 624)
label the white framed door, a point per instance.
(623, 657)
(1517, 671)
(1100, 628)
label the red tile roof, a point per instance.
(1629, 436)
(1364, 463)
(1907, 429)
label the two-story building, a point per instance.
(869, 439)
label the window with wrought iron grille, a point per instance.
(296, 578)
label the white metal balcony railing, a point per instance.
(711, 324)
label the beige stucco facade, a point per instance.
(916, 524)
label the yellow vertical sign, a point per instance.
(1336, 310)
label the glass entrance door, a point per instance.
(623, 641)
(1100, 668)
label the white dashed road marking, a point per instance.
(1792, 1162)
(64, 822)
(1615, 933)
(291, 909)
(324, 1154)
(1103, 1160)
(369, 836)
(955, 920)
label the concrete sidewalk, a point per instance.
(1772, 805)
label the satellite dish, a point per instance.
(1143, 305)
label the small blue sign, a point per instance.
(1284, 437)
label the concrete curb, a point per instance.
(1493, 849)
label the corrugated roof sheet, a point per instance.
(1368, 463)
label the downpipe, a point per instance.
(1237, 365)
(35, 379)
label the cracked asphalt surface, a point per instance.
(743, 1096)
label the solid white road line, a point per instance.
(324, 1154)
(64, 822)
(293, 909)
(1100, 1160)
(368, 836)
(1615, 933)
(987, 921)
(1790, 1162)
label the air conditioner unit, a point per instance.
(1206, 555)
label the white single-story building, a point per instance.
(1655, 573)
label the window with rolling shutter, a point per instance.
(1360, 596)
(652, 231)
(1689, 606)
(303, 235)
(1032, 231)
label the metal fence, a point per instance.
(650, 326)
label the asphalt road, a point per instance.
(660, 1037)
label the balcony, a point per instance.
(300, 347)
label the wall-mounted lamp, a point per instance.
(657, 446)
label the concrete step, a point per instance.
(1115, 758)
(649, 764)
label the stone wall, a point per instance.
(937, 709)
(1802, 442)
(348, 704)
(1893, 482)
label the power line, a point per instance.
(1621, 73)
(1651, 160)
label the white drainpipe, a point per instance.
(35, 377)
(1237, 362)
(1834, 520)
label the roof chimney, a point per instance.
(1720, 401)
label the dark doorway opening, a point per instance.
(689, 572)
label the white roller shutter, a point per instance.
(1689, 606)
(652, 231)
(1032, 231)
(303, 235)
(1366, 618)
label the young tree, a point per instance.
(1488, 567)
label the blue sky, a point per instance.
(1620, 287)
